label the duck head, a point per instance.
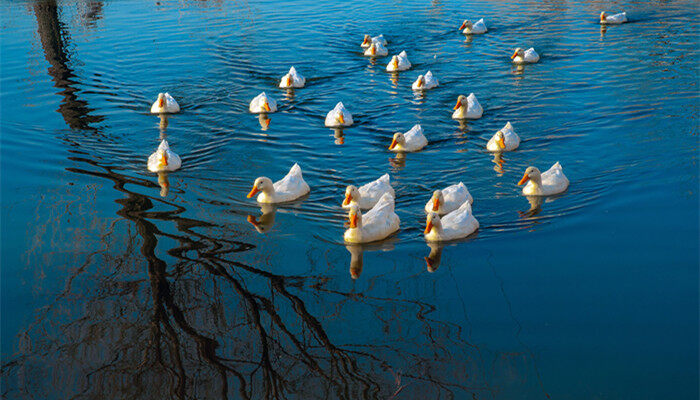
(161, 100)
(261, 184)
(531, 174)
(398, 139)
(395, 61)
(518, 53)
(290, 81)
(438, 199)
(461, 102)
(355, 217)
(420, 82)
(367, 40)
(500, 140)
(373, 49)
(351, 194)
(432, 221)
(603, 16)
(162, 159)
(466, 24)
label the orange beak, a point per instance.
(373, 50)
(514, 55)
(458, 105)
(341, 118)
(252, 220)
(393, 144)
(436, 204)
(420, 82)
(501, 142)
(348, 199)
(161, 102)
(366, 41)
(253, 192)
(428, 227)
(266, 106)
(353, 221)
(396, 62)
(163, 160)
(464, 25)
(525, 179)
(289, 80)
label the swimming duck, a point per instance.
(614, 19)
(467, 107)
(262, 104)
(163, 159)
(376, 49)
(338, 117)
(369, 40)
(528, 56)
(165, 104)
(458, 224)
(379, 222)
(448, 199)
(368, 195)
(476, 28)
(504, 140)
(289, 188)
(550, 182)
(292, 80)
(399, 62)
(411, 141)
(425, 82)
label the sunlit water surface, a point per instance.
(113, 287)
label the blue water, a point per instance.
(113, 288)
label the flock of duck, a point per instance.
(449, 211)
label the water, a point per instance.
(110, 290)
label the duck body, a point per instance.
(293, 80)
(614, 19)
(165, 104)
(163, 159)
(510, 140)
(550, 182)
(476, 28)
(367, 42)
(528, 56)
(467, 108)
(338, 117)
(289, 188)
(376, 49)
(377, 224)
(449, 199)
(399, 62)
(425, 82)
(262, 104)
(458, 224)
(367, 195)
(413, 140)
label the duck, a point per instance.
(411, 141)
(379, 222)
(425, 82)
(458, 224)
(448, 199)
(289, 188)
(399, 63)
(504, 140)
(528, 56)
(165, 104)
(476, 28)
(163, 159)
(614, 19)
(376, 49)
(366, 196)
(338, 117)
(262, 104)
(369, 40)
(550, 182)
(467, 107)
(292, 80)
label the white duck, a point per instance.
(399, 62)
(163, 159)
(467, 107)
(458, 224)
(289, 188)
(165, 104)
(338, 117)
(292, 80)
(369, 40)
(411, 141)
(262, 104)
(425, 82)
(376, 49)
(550, 182)
(528, 56)
(448, 199)
(366, 196)
(476, 28)
(379, 222)
(504, 140)
(614, 19)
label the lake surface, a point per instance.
(114, 287)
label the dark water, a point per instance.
(111, 291)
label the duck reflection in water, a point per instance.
(163, 125)
(264, 120)
(398, 162)
(266, 220)
(603, 29)
(498, 161)
(164, 183)
(535, 206)
(518, 69)
(289, 94)
(394, 77)
(433, 259)
(339, 136)
(357, 252)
